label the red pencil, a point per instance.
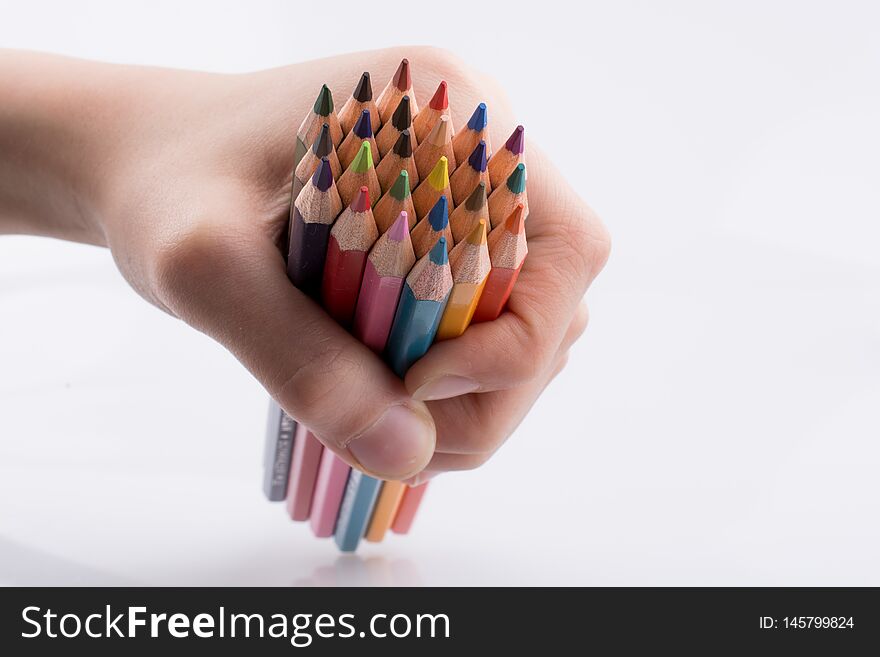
(350, 240)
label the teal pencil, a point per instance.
(421, 305)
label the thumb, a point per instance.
(232, 285)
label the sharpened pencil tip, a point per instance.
(516, 181)
(363, 161)
(402, 79)
(438, 217)
(364, 126)
(516, 143)
(478, 234)
(403, 145)
(440, 100)
(477, 159)
(479, 119)
(478, 197)
(438, 254)
(324, 102)
(516, 220)
(441, 133)
(364, 90)
(323, 177)
(402, 117)
(361, 202)
(439, 176)
(400, 189)
(324, 143)
(400, 228)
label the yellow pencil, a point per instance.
(470, 268)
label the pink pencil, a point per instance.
(303, 470)
(332, 476)
(388, 263)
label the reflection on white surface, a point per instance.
(717, 425)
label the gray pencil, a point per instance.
(280, 430)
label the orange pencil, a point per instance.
(360, 173)
(399, 159)
(471, 172)
(502, 163)
(362, 131)
(361, 99)
(505, 198)
(430, 229)
(401, 120)
(470, 268)
(396, 200)
(439, 106)
(399, 86)
(468, 214)
(476, 130)
(507, 251)
(437, 144)
(322, 147)
(432, 188)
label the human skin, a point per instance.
(186, 177)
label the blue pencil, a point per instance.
(356, 509)
(421, 305)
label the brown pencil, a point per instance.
(322, 147)
(401, 120)
(432, 188)
(427, 117)
(399, 159)
(437, 144)
(362, 131)
(502, 163)
(396, 200)
(468, 137)
(360, 173)
(470, 174)
(504, 199)
(468, 214)
(361, 99)
(399, 86)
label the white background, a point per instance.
(718, 423)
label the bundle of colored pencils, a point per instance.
(405, 231)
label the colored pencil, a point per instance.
(503, 200)
(322, 112)
(399, 86)
(432, 188)
(468, 214)
(393, 202)
(430, 229)
(279, 445)
(388, 263)
(312, 216)
(322, 147)
(437, 144)
(351, 238)
(390, 495)
(421, 305)
(470, 266)
(471, 172)
(303, 472)
(354, 512)
(475, 131)
(427, 117)
(507, 251)
(399, 159)
(329, 489)
(401, 120)
(362, 131)
(360, 173)
(361, 99)
(406, 510)
(502, 163)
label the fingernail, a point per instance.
(398, 445)
(444, 387)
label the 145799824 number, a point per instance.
(818, 622)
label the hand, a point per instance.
(186, 177)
